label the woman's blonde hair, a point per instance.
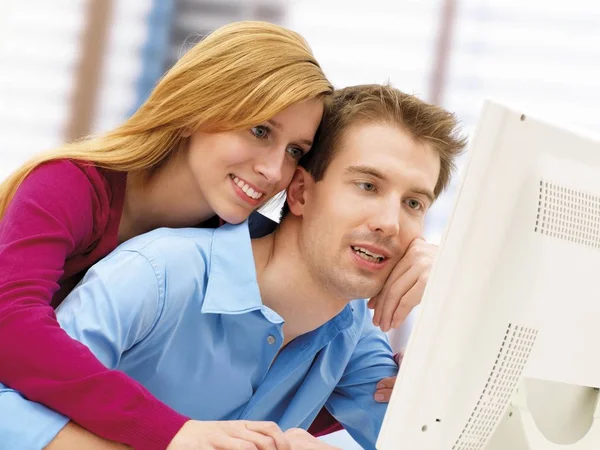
(237, 77)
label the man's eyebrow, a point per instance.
(279, 126)
(366, 170)
(426, 192)
(375, 173)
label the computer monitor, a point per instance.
(505, 352)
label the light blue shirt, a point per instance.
(180, 311)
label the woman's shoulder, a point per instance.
(72, 172)
(75, 192)
(77, 180)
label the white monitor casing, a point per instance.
(514, 297)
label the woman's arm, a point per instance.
(50, 218)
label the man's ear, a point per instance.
(297, 191)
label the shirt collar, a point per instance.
(231, 286)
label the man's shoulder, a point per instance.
(363, 318)
(170, 239)
(179, 259)
(181, 251)
(169, 249)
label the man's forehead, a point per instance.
(372, 134)
(387, 151)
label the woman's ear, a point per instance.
(297, 191)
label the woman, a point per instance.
(219, 136)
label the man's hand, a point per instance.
(404, 287)
(230, 435)
(384, 390)
(302, 440)
(74, 437)
(385, 386)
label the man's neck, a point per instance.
(287, 287)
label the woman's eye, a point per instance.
(295, 152)
(365, 186)
(260, 131)
(414, 204)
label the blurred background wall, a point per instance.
(69, 68)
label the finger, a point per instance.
(372, 302)
(394, 300)
(416, 241)
(270, 429)
(224, 442)
(386, 383)
(402, 266)
(383, 395)
(377, 310)
(374, 306)
(380, 300)
(325, 446)
(261, 441)
(245, 445)
(411, 299)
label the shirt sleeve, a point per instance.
(115, 306)
(50, 217)
(26, 425)
(352, 402)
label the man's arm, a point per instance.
(120, 301)
(112, 309)
(115, 305)
(73, 437)
(25, 425)
(352, 403)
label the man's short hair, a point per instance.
(383, 104)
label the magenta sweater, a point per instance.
(65, 217)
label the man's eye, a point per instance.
(260, 131)
(365, 186)
(295, 152)
(414, 204)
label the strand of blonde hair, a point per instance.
(237, 77)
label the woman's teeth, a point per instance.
(247, 189)
(367, 255)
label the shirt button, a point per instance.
(271, 339)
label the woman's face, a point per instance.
(238, 171)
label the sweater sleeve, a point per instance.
(50, 218)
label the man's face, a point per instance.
(358, 221)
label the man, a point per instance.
(225, 328)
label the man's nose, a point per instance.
(386, 221)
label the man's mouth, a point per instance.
(246, 188)
(368, 255)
